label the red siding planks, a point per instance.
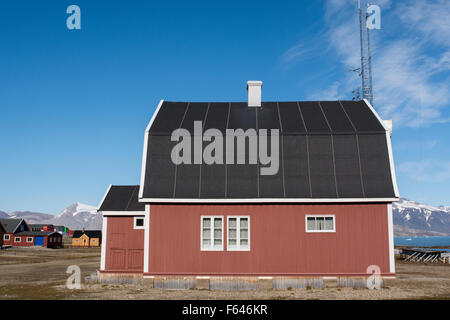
(279, 243)
(124, 245)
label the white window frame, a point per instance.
(15, 239)
(320, 216)
(29, 238)
(6, 237)
(212, 247)
(135, 227)
(238, 246)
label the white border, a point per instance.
(32, 239)
(122, 213)
(391, 238)
(266, 200)
(21, 220)
(389, 144)
(9, 237)
(144, 153)
(212, 248)
(104, 237)
(320, 216)
(238, 233)
(146, 237)
(135, 227)
(375, 114)
(20, 239)
(391, 163)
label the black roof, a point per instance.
(89, 233)
(37, 225)
(10, 225)
(328, 149)
(35, 233)
(122, 198)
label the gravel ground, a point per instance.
(40, 273)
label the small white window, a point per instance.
(320, 223)
(29, 239)
(238, 233)
(211, 236)
(6, 237)
(17, 239)
(139, 223)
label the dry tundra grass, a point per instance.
(40, 273)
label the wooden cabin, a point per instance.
(86, 238)
(326, 211)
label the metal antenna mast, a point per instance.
(366, 57)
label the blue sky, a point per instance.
(74, 104)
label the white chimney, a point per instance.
(388, 126)
(254, 93)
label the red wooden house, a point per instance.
(19, 234)
(326, 211)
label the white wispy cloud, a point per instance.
(406, 88)
(330, 93)
(430, 18)
(426, 170)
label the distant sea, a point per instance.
(422, 241)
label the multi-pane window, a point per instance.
(29, 239)
(238, 233)
(6, 237)
(212, 233)
(17, 239)
(320, 223)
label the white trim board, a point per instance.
(267, 200)
(375, 114)
(391, 163)
(122, 213)
(389, 144)
(391, 238)
(104, 238)
(144, 152)
(146, 237)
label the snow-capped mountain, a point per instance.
(78, 216)
(4, 215)
(29, 216)
(413, 218)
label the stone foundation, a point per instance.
(119, 278)
(233, 283)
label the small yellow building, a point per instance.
(87, 238)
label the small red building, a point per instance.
(325, 212)
(18, 234)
